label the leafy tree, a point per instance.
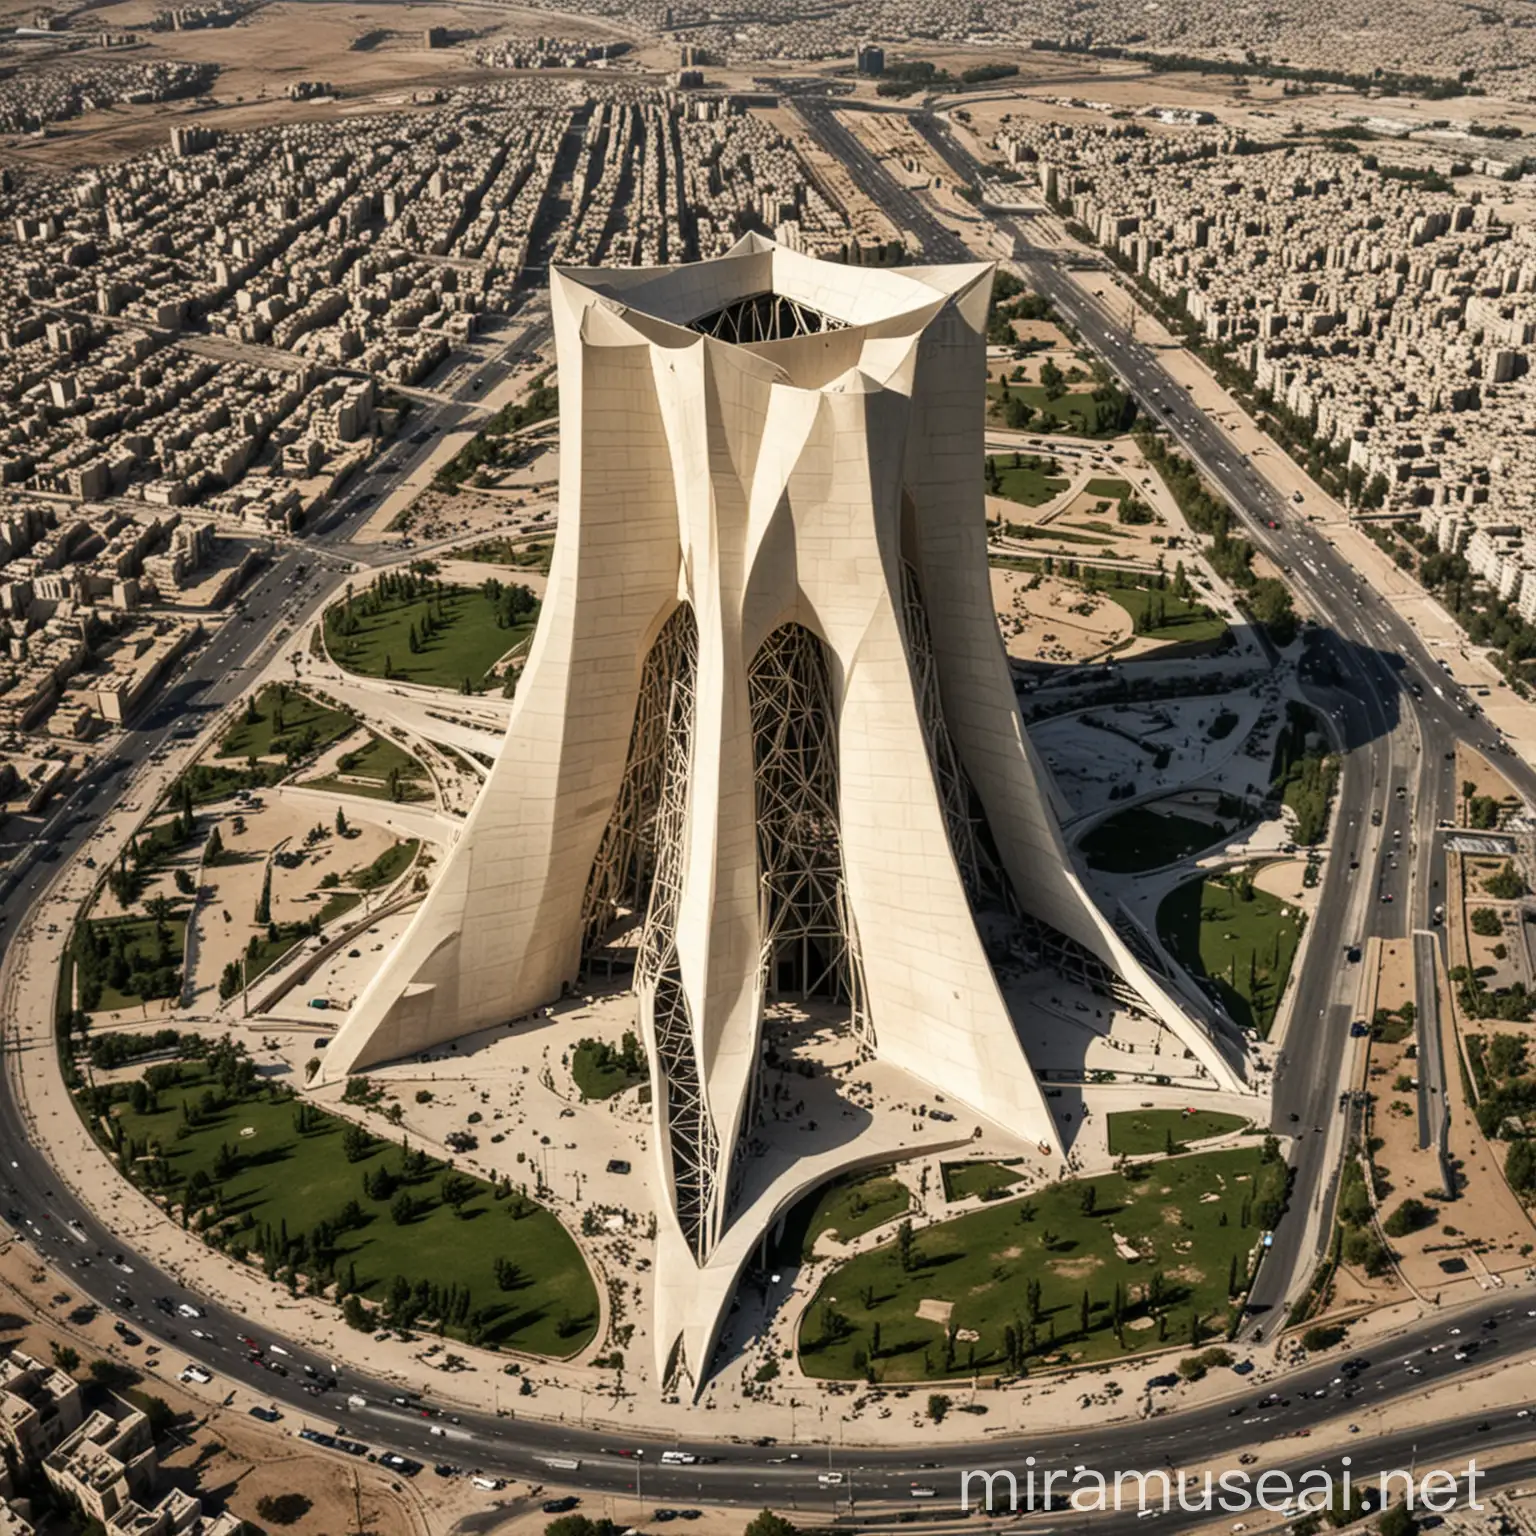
(1506, 884)
(939, 1404)
(1520, 1166)
(112, 1375)
(770, 1524)
(402, 1209)
(1486, 922)
(282, 1508)
(580, 1525)
(356, 1315)
(1410, 1216)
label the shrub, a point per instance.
(282, 1508)
(1411, 1216)
(1506, 884)
(1485, 922)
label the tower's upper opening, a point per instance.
(764, 317)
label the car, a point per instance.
(922, 1491)
(186, 1309)
(197, 1333)
(401, 1464)
(663, 1515)
(197, 1373)
(829, 1479)
(549, 1506)
(126, 1334)
(618, 1165)
(266, 1415)
(690, 1514)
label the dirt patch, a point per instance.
(1283, 878)
(1076, 1269)
(1472, 767)
(931, 1311)
(1044, 618)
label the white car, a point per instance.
(188, 1310)
(196, 1373)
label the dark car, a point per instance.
(560, 1506)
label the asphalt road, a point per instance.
(1366, 698)
(1387, 701)
(125, 1285)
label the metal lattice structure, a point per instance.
(665, 1018)
(986, 884)
(954, 787)
(764, 317)
(809, 945)
(625, 863)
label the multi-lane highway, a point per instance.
(1387, 701)
(1392, 736)
(310, 1392)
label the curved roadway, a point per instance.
(1368, 639)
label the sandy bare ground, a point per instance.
(1482, 1230)
(1047, 618)
(1283, 878)
(1472, 767)
(229, 916)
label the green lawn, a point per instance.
(1110, 490)
(602, 1070)
(525, 556)
(336, 904)
(1166, 615)
(281, 719)
(467, 645)
(1135, 840)
(1244, 947)
(142, 958)
(983, 1263)
(962, 1180)
(849, 1206)
(216, 781)
(291, 1180)
(1075, 412)
(385, 869)
(378, 770)
(1028, 482)
(1136, 1132)
(266, 952)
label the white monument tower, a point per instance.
(767, 723)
